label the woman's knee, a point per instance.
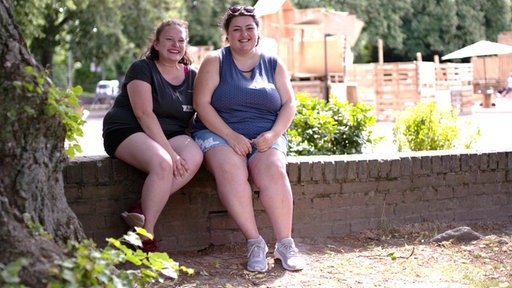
(268, 171)
(230, 169)
(196, 157)
(189, 150)
(162, 167)
(268, 164)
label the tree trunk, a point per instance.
(31, 159)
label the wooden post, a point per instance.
(436, 65)
(436, 59)
(419, 57)
(326, 72)
(487, 100)
(419, 81)
(381, 52)
(352, 93)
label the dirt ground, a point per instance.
(386, 257)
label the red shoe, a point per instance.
(149, 245)
(134, 217)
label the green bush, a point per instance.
(89, 266)
(85, 265)
(426, 127)
(330, 128)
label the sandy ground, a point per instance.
(394, 258)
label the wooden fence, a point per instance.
(197, 53)
(456, 80)
(393, 87)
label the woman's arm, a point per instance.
(141, 101)
(288, 104)
(286, 113)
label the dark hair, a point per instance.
(152, 54)
(228, 16)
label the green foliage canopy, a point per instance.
(99, 31)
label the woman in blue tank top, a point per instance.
(245, 103)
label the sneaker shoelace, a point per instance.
(289, 256)
(257, 256)
(258, 248)
(289, 249)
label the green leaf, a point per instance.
(9, 273)
(170, 272)
(133, 239)
(143, 232)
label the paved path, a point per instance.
(92, 142)
(495, 126)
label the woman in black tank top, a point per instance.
(147, 126)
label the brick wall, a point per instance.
(334, 196)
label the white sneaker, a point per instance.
(133, 219)
(257, 255)
(289, 255)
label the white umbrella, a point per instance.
(480, 48)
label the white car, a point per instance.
(106, 91)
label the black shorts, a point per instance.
(114, 138)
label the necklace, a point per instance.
(246, 71)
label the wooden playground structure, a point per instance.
(392, 87)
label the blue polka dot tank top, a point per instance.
(249, 105)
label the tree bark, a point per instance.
(31, 159)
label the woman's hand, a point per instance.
(264, 141)
(180, 166)
(239, 143)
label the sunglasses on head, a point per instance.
(241, 10)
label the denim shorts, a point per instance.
(207, 140)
